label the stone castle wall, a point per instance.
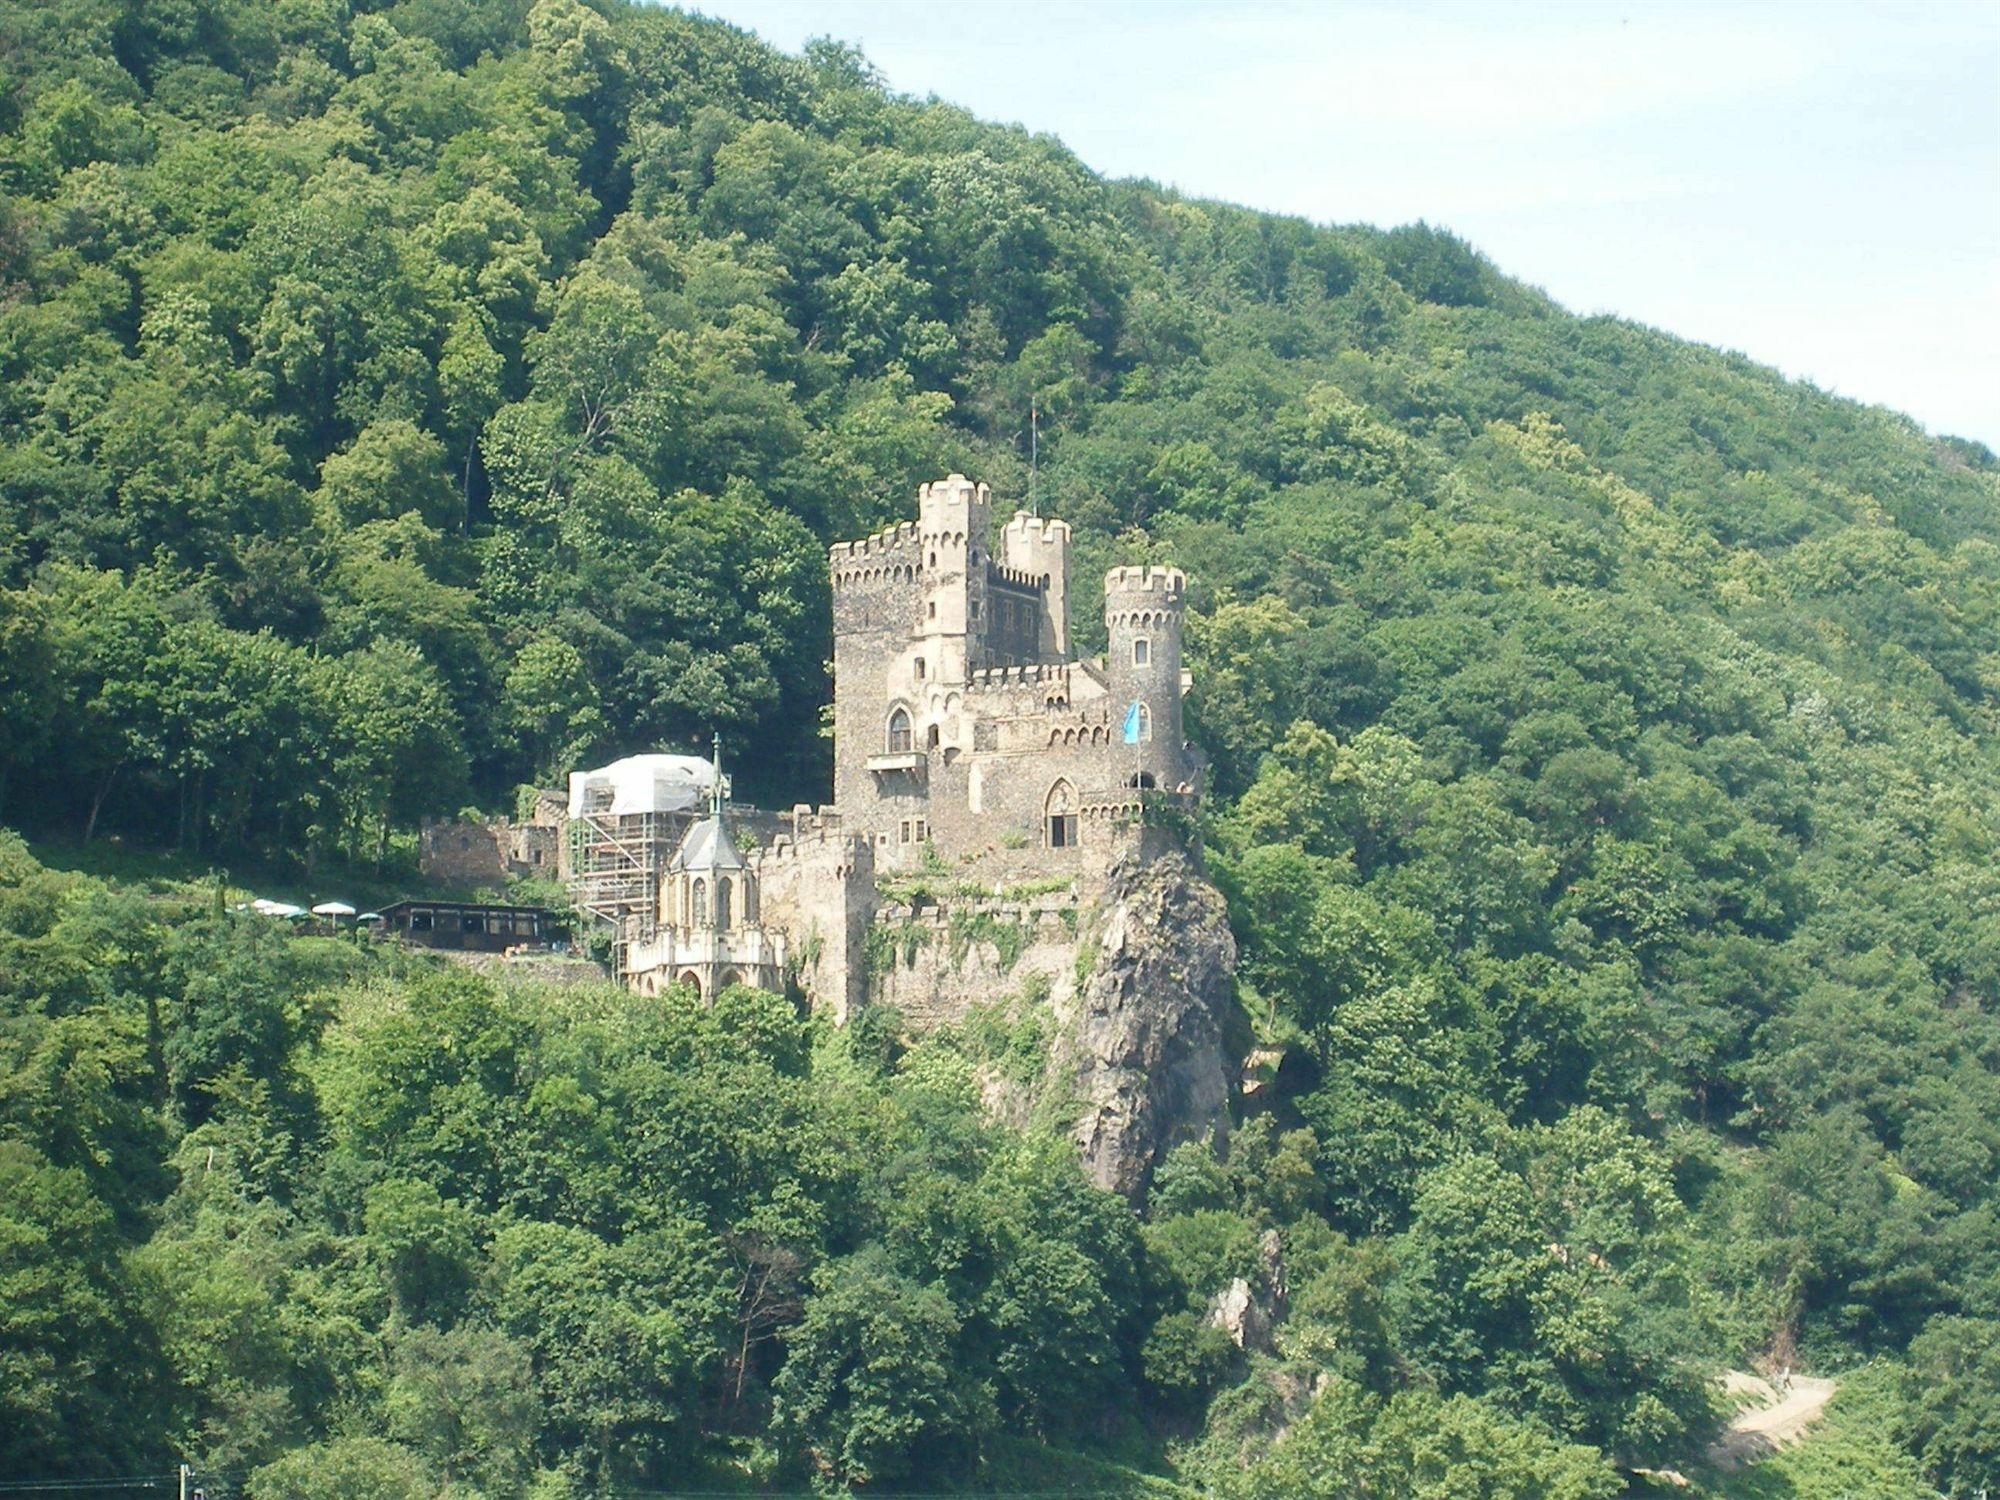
(817, 886)
(488, 853)
(464, 854)
(936, 962)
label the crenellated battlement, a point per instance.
(952, 490)
(1037, 531)
(1149, 578)
(898, 538)
(1001, 677)
(786, 847)
(816, 838)
(892, 555)
(1019, 577)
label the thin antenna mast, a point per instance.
(1034, 457)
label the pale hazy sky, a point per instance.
(1816, 185)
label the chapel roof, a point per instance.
(707, 846)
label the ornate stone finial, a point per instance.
(715, 792)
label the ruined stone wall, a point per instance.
(465, 854)
(488, 853)
(534, 849)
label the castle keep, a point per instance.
(959, 717)
(975, 759)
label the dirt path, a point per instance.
(1777, 1420)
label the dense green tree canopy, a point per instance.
(400, 402)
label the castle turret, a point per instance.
(1040, 549)
(952, 521)
(1143, 611)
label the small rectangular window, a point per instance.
(905, 828)
(1142, 652)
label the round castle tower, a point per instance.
(1143, 612)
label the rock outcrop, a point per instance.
(1142, 1048)
(1235, 1311)
(1249, 1314)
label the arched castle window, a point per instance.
(931, 737)
(1145, 724)
(899, 732)
(1060, 810)
(722, 902)
(692, 980)
(700, 903)
(1142, 652)
(1142, 780)
(921, 669)
(749, 900)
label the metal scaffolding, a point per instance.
(625, 821)
(615, 863)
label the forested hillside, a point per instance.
(399, 403)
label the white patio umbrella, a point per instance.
(264, 907)
(333, 909)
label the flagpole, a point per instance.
(1034, 457)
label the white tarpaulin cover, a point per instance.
(641, 784)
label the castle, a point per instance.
(983, 776)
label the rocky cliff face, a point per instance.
(1142, 1044)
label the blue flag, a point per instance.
(1132, 725)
